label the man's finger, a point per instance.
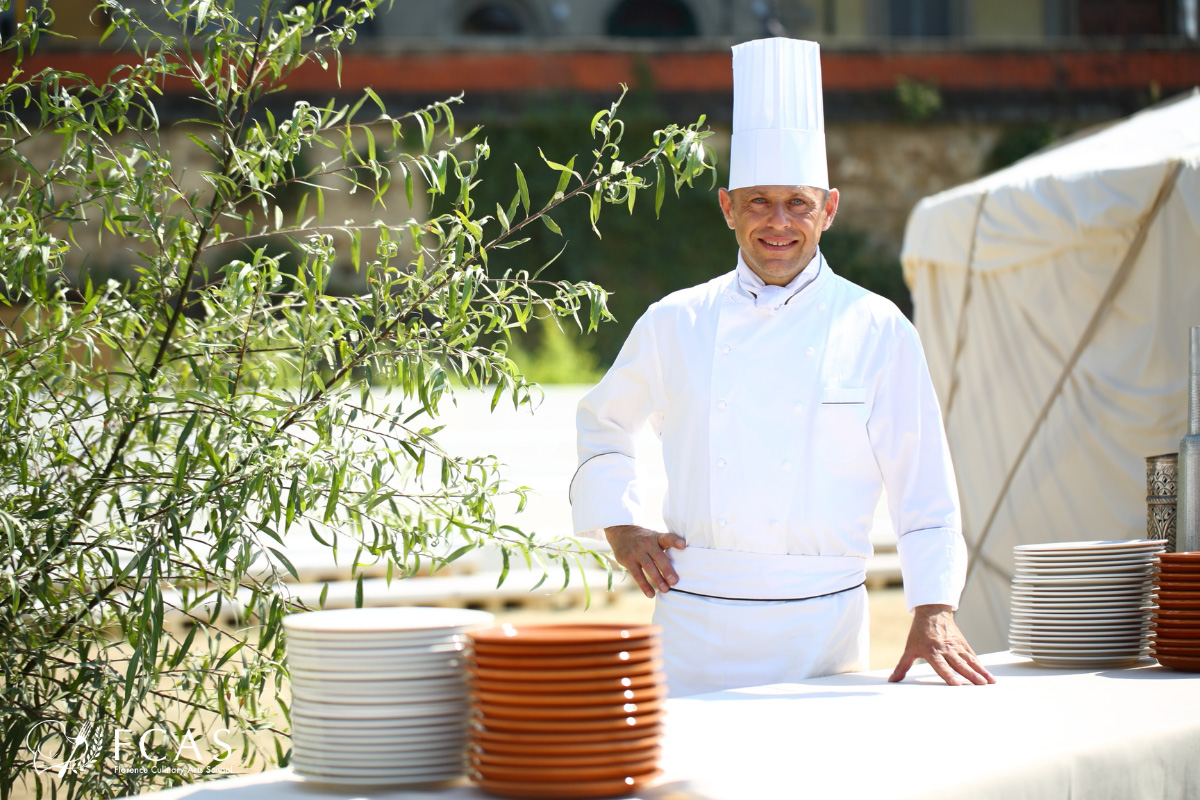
(671, 540)
(969, 667)
(662, 563)
(902, 668)
(943, 669)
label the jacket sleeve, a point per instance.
(604, 490)
(909, 440)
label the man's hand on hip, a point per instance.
(935, 638)
(643, 552)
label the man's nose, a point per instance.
(779, 217)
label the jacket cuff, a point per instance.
(933, 562)
(604, 492)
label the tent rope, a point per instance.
(960, 335)
(1114, 286)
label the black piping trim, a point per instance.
(770, 599)
(571, 485)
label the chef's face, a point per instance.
(778, 227)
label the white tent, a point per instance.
(1054, 299)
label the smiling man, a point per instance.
(786, 399)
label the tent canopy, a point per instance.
(1054, 299)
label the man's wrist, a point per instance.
(932, 609)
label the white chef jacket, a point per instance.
(780, 428)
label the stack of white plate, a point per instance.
(379, 695)
(1083, 604)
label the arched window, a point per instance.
(661, 18)
(493, 18)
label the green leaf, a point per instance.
(551, 224)
(523, 188)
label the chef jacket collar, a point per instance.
(775, 297)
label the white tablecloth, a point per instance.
(1037, 733)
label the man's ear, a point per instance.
(831, 207)
(726, 201)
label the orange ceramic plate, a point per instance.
(614, 697)
(618, 710)
(572, 774)
(581, 674)
(520, 661)
(568, 790)
(481, 737)
(580, 649)
(495, 747)
(524, 686)
(534, 761)
(639, 722)
(564, 634)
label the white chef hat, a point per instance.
(778, 116)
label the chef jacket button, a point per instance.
(821, 307)
(722, 522)
(773, 524)
(720, 462)
(725, 350)
(722, 405)
(809, 351)
(798, 407)
(786, 465)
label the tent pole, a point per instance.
(1114, 286)
(961, 334)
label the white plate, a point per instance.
(380, 727)
(395, 620)
(1075, 643)
(315, 711)
(1049, 616)
(363, 777)
(1132, 633)
(400, 675)
(401, 743)
(1107, 546)
(1089, 662)
(381, 671)
(414, 641)
(1081, 652)
(1089, 559)
(1112, 581)
(452, 681)
(349, 695)
(317, 759)
(1081, 626)
(1107, 571)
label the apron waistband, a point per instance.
(739, 575)
(769, 599)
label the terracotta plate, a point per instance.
(496, 747)
(1187, 587)
(567, 790)
(1166, 613)
(536, 661)
(572, 774)
(1183, 664)
(564, 634)
(580, 649)
(527, 700)
(581, 674)
(525, 686)
(618, 710)
(481, 737)
(640, 722)
(538, 761)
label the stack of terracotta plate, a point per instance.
(1177, 618)
(565, 710)
(1083, 604)
(379, 695)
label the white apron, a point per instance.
(780, 428)
(710, 643)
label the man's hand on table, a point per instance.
(643, 552)
(935, 638)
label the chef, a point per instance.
(786, 399)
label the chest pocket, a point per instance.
(841, 426)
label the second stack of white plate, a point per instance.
(1083, 604)
(379, 695)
